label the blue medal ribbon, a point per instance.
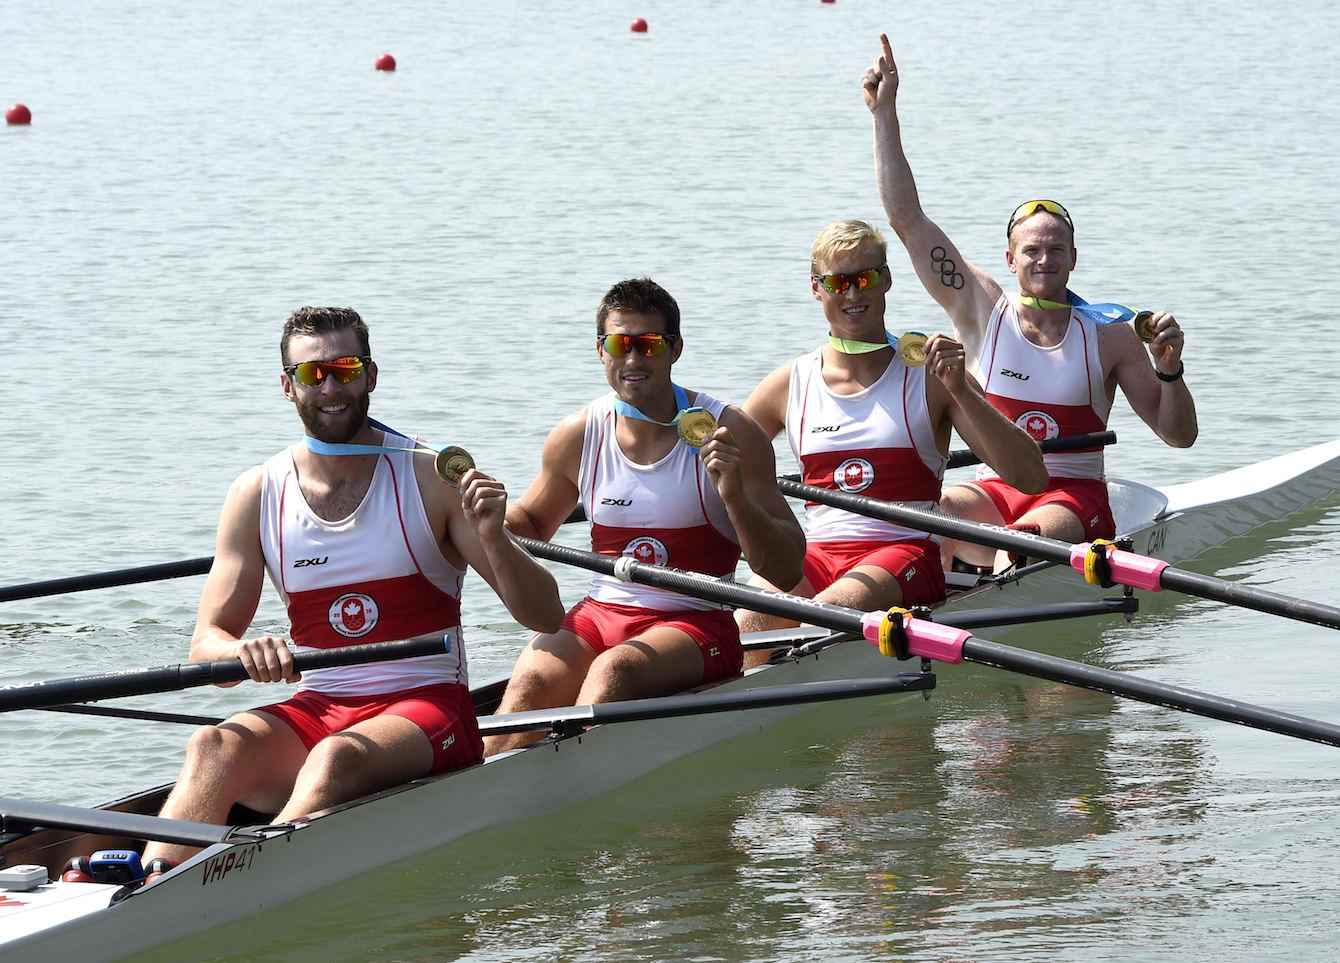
(681, 409)
(1104, 313)
(329, 448)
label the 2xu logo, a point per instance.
(820, 428)
(621, 502)
(304, 562)
(1014, 374)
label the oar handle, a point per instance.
(964, 457)
(187, 675)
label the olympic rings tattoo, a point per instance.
(950, 276)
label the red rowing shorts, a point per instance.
(603, 625)
(915, 563)
(1085, 497)
(445, 713)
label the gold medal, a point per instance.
(696, 427)
(1144, 325)
(452, 463)
(912, 348)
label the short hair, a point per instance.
(841, 237)
(309, 320)
(642, 295)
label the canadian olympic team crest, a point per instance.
(854, 475)
(648, 551)
(353, 615)
(1039, 425)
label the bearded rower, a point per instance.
(362, 548)
(667, 476)
(1047, 360)
(863, 415)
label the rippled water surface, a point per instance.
(192, 174)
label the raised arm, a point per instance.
(233, 590)
(740, 462)
(1165, 406)
(955, 398)
(966, 293)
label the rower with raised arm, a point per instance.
(867, 412)
(1048, 360)
(364, 543)
(667, 476)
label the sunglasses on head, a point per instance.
(1029, 208)
(647, 345)
(838, 283)
(312, 373)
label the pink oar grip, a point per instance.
(1128, 568)
(943, 643)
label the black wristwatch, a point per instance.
(1175, 376)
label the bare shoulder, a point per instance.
(244, 494)
(1118, 344)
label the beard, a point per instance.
(335, 431)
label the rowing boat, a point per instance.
(254, 867)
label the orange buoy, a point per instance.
(18, 115)
(385, 62)
(638, 26)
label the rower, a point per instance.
(862, 416)
(667, 476)
(365, 543)
(1046, 359)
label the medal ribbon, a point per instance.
(328, 448)
(681, 409)
(847, 346)
(1106, 313)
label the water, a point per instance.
(190, 177)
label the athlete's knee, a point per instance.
(331, 759)
(212, 746)
(615, 673)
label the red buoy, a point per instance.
(18, 115)
(385, 62)
(638, 26)
(828, 1)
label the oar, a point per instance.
(169, 678)
(569, 719)
(1099, 564)
(120, 576)
(907, 637)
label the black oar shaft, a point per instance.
(705, 587)
(694, 704)
(1023, 543)
(966, 456)
(974, 649)
(169, 678)
(1145, 690)
(1036, 546)
(123, 576)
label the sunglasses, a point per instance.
(1029, 208)
(838, 283)
(647, 345)
(312, 373)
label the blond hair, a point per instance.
(841, 237)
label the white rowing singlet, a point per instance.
(667, 513)
(878, 442)
(1048, 392)
(376, 576)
